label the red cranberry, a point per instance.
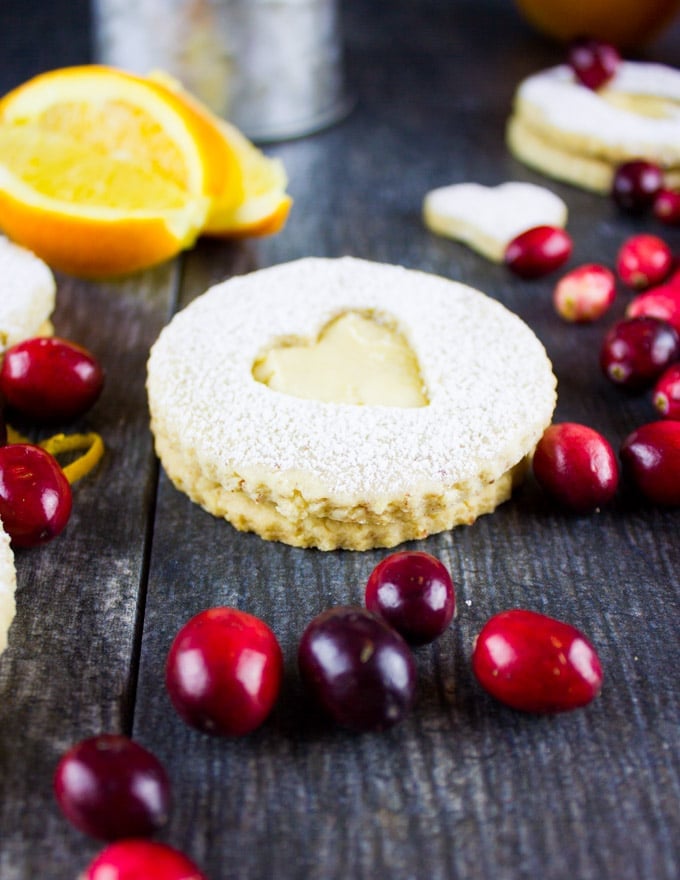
(538, 251)
(224, 671)
(585, 293)
(576, 466)
(636, 185)
(110, 787)
(661, 302)
(637, 350)
(594, 62)
(358, 669)
(414, 593)
(666, 396)
(141, 860)
(644, 261)
(35, 496)
(3, 424)
(651, 461)
(535, 663)
(667, 206)
(50, 379)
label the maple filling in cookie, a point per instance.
(343, 403)
(580, 135)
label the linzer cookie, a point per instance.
(344, 403)
(8, 584)
(580, 135)
(27, 294)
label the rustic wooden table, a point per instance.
(463, 788)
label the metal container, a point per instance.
(272, 67)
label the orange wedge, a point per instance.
(262, 205)
(104, 173)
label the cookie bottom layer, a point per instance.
(586, 171)
(321, 523)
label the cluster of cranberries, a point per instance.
(47, 380)
(639, 353)
(224, 671)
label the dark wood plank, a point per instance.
(74, 642)
(463, 788)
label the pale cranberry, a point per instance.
(661, 302)
(644, 261)
(585, 294)
(224, 671)
(538, 251)
(35, 496)
(414, 593)
(651, 461)
(576, 466)
(667, 206)
(594, 62)
(535, 663)
(50, 379)
(635, 351)
(110, 787)
(357, 668)
(666, 395)
(636, 185)
(141, 860)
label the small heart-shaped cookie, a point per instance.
(487, 219)
(357, 358)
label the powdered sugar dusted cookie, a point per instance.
(557, 121)
(8, 584)
(486, 218)
(27, 295)
(319, 473)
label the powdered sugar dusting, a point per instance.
(27, 293)
(490, 385)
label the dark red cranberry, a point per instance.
(635, 351)
(576, 466)
(636, 185)
(141, 860)
(661, 302)
(50, 379)
(357, 668)
(3, 424)
(535, 663)
(224, 671)
(414, 593)
(644, 261)
(650, 457)
(667, 206)
(35, 496)
(110, 787)
(538, 251)
(666, 394)
(594, 62)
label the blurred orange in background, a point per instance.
(626, 23)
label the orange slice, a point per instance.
(262, 205)
(104, 173)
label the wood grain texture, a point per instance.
(463, 788)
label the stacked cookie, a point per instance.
(579, 135)
(243, 433)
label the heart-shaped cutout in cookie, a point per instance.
(487, 218)
(358, 358)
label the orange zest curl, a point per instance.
(91, 445)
